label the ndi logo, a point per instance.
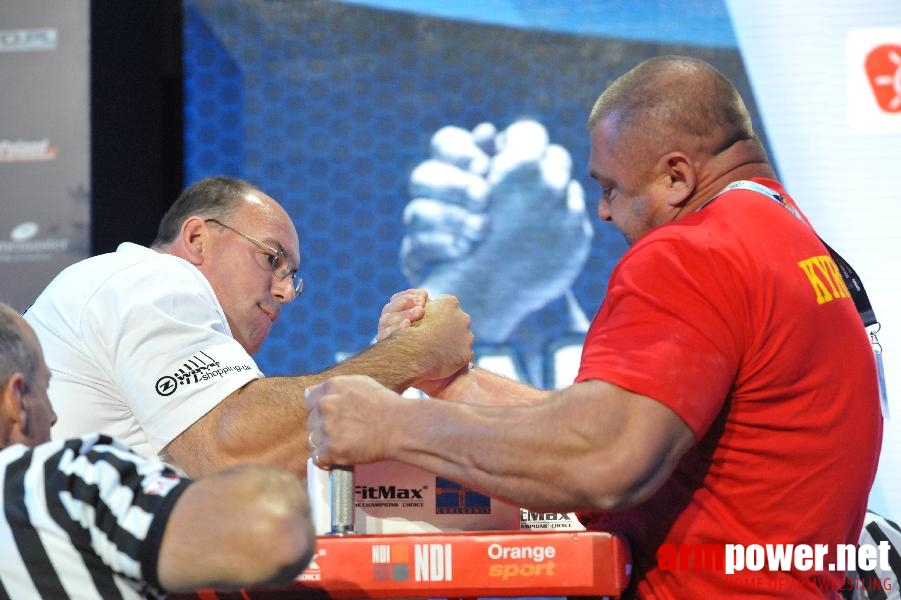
(431, 562)
(390, 562)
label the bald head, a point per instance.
(673, 103)
(665, 138)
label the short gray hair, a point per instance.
(17, 353)
(212, 197)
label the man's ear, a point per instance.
(678, 178)
(12, 409)
(193, 239)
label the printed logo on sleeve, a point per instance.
(200, 367)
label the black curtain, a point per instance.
(136, 118)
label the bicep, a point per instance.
(638, 441)
(657, 438)
(173, 361)
(674, 338)
(262, 422)
(197, 449)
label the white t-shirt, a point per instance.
(138, 347)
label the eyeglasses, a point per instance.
(278, 259)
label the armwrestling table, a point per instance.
(455, 565)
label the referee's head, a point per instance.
(25, 412)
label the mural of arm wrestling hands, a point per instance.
(496, 220)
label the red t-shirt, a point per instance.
(733, 318)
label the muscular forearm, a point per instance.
(506, 451)
(265, 421)
(574, 451)
(261, 423)
(479, 386)
(395, 362)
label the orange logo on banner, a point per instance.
(884, 71)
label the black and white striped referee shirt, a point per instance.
(82, 518)
(878, 584)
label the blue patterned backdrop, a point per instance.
(328, 107)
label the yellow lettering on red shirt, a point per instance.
(839, 289)
(820, 268)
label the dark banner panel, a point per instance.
(44, 143)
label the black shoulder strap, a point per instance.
(855, 287)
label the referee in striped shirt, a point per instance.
(882, 582)
(87, 518)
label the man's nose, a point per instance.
(604, 209)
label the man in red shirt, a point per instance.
(727, 393)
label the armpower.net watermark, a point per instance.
(785, 566)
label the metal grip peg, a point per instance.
(342, 504)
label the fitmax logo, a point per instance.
(526, 515)
(387, 492)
